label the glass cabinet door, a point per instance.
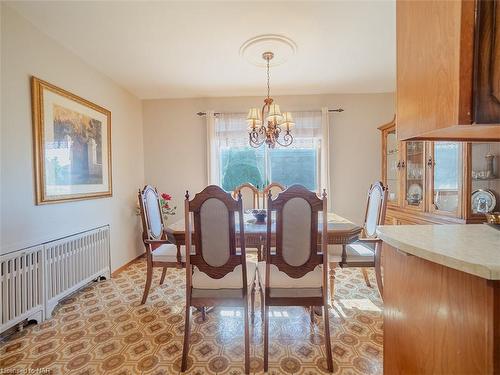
(393, 163)
(445, 184)
(485, 179)
(414, 165)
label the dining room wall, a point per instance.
(26, 51)
(175, 143)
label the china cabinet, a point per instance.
(448, 63)
(438, 182)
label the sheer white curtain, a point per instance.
(229, 130)
(223, 130)
(312, 130)
(325, 153)
(212, 159)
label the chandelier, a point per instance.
(277, 126)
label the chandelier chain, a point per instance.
(268, 78)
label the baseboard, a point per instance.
(120, 269)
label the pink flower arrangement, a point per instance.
(165, 206)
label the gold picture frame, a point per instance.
(72, 146)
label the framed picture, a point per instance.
(72, 141)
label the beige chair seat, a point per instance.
(295, 292)
(356, 253)
(217, 293)
(168, 253)
(280, 280)
(233, 280)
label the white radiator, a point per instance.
(34, 280)
(72, 262)
(21, 287)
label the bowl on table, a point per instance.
(260, 216)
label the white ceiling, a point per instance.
(191, 49)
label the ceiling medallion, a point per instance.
(282, 47)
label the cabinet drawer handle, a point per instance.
(430, 163)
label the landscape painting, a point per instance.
(72, 145)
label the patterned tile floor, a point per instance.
(102, 329)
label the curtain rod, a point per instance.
(218, 113)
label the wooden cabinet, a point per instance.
(438, 320)
(432, 182)
(448, 70)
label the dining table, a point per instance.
(341, 231)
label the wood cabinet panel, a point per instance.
(428, 65)
(487, 62)
(447, 81)
(439, 320)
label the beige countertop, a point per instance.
(471, 248)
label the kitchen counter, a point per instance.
(471, 248)
(441, 291)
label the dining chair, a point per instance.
(216, 274)
(296, 272)
(275, 188)
(250, 195)
(160, 252)
(365, 252)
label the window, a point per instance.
(235, 162)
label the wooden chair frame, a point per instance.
(315, 258)
(254, 190)
(196, 259)
(152, 242)
(344, 263)
(268, 188)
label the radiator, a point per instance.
(34, 280)
(21, 287)
(72, 262)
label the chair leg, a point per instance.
(365, 275)
(259, 253)
(247, 338)
(185, 349)
(149, 278)
(329, 359)
(252, 300)
(262, 312)
(311, 312)
(164, 272)
(332, 281)
(204, 313)
(378, 271)
(266, 338)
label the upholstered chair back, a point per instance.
(297, 211)
(375, 208)
(152, 221)
(296, 231)
(214, 224)
(213, 215)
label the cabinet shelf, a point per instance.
(486, 179)
(420, 153)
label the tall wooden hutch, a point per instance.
(433, 182)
